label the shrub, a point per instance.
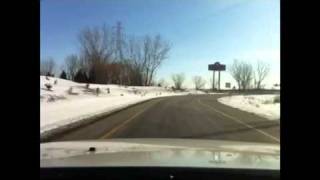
(135, 91)
(98, 91)
(48, 86)
(70, 90)
(270, 101)
(276, 99)
(178, 80)
(51, 99)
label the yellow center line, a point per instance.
(241, 122)
(115, 129)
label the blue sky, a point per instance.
(200, 31)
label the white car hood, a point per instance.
(160, 152)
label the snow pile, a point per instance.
(264, 105)
(59, 107)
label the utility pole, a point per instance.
(118, 47)
(119, 40)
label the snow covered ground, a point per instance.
(58, 107)
(262, 105)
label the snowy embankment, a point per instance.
(267, 106)
(62, 106)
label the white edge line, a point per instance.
(247, 125)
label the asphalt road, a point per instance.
(190, 116)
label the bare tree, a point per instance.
(108, 55)
(246, 75)
(199, 83)
(178, 80)
(154, 51)
(159, 52)
(134, 54)
(145, 56)
(95, 44)
(262, 70)
(47, 66)
(96, 51)
(242, 72)
(146, 51)
(72, 65)
(235, 71)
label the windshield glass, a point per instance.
(160, 82)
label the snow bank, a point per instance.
(262, 105)
(59, 108)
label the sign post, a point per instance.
(216, 67)
(219, 80)
(213, 82)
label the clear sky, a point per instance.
(200, 31)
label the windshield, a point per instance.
(145, 81)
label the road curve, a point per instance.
(190, 116)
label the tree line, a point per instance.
(246, 75)
(110, 56)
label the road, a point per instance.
(190, 116)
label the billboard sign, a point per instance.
(217, 67)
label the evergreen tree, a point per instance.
(81, 77)
(63, 75)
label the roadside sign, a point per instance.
(228, 85)
(217, 67)
(210, 67)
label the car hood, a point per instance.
(160, 152)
